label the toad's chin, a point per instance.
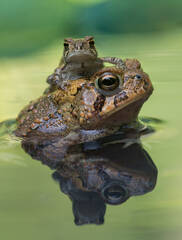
(80, 56)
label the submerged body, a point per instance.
(109, 99)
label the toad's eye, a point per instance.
(138, 77)
(108, 82)
(91, 43)
(114, 193)
(66, 45)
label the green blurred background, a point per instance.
(27, 26)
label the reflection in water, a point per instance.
(107, 171)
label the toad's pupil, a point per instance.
(108, 82)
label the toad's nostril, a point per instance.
(79, 46)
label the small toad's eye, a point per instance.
(108, 82)
(91, 43)
(138, 77)
(66, 45)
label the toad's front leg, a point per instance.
(54, 80)
(114, 60)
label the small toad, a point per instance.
(79, 61)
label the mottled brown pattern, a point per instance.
(99, 103)
(83, 105)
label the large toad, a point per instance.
(109, 99)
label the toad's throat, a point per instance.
(80, 56)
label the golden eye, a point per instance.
(108, 82)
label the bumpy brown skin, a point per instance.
(79, 61)
(85, 106)
(50, 114)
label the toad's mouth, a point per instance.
(80, 56)
(118, 106)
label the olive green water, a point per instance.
(31, 204)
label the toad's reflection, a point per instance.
(94, 174)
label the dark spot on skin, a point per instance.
(99, 103)
(145, 84)
(122, 96)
